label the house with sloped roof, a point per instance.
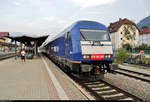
(3, 36)
(123, 32)
(144, 36)
(3, 40)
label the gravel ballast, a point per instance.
(136, 87)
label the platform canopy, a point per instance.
(28, 39)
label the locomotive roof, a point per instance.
(51, 38)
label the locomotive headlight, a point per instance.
(109, 56)
(106, 56)
(84, 56)
(88, 57)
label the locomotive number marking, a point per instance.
(97, 56)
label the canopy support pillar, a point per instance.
(35, 48)
(15, 50)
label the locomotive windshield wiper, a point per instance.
(83, 36)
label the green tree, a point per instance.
(121, 55)
(127, 47)
(143, 47)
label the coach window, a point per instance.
(68, 36)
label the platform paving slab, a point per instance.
(30, 81)
(19, 80)
(70, 89)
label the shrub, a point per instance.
(121, 55)
(127, 47)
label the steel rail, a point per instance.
(112, 87)
(133, 76)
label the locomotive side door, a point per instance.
(67, 45)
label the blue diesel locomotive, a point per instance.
(84, 49)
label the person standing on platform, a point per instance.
(23, 55)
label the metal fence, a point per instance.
(138, 51)
(6, 47)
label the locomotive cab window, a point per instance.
(94, 35)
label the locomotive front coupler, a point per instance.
(98, 68)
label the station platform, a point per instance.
(136, 68)
(37, 79)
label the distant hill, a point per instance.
(144, 22)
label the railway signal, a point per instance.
(141, 52)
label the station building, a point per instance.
(3, 41)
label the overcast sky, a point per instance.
(52, 16)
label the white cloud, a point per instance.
(48, 18)
(89, 3)
(17, 3)
(34, 3)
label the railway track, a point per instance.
(143, 65)
(133, 74)
(5, 56)
(102, 90)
